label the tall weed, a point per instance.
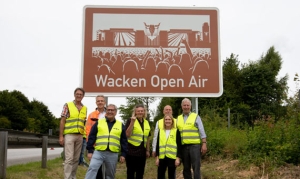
(268, 143)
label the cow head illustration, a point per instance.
(151, 30)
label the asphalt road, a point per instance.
(22, 156)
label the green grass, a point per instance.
(55, 169)
(34, 170)
(211, 168)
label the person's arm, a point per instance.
(61, 130)
(179, 145)
(157, 144)
(88, 126)
(130, 126)
(64, 115)
(148, 145)
(92, 138)
(123, 142)
(179, 149)
(154, 140)
(200, 126)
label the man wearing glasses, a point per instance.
(106, 140)
(71, 132)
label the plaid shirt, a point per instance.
(65, 112)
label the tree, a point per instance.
(18, 113)
(126, 111)
(22, 98)
(261, 89)
(5, 123)
(12, 109)
(251, 90)
(44, 119)
(33, 125)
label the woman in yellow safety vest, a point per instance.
(168, 148)
(137, 132)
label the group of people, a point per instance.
(175, 141)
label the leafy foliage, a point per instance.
(264, 122)
(5, 123)
(18, 113)
(126, 111)
(13, 110)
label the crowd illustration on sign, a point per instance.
(119, 50)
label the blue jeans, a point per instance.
(191, 158)
(81, 158)
(110, 160)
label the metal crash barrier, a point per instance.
(11, 139)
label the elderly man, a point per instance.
(109, 137)
(192, 135)
(71, 132)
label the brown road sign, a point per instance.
(151, 51)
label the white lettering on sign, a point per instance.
(156, 81)
(119, 82)
(164, 82)
(198, 84)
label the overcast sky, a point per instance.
(41, 41)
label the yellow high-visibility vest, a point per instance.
(167, 146)
(75, 123)
(106, 138)
(189, 132)
(138, 135)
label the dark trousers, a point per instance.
(163, 165)
(191, 159)
(99, 174)
(135, 166)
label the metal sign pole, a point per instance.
(195, 105)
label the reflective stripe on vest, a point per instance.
(106, 138)
(137, 135)
(189, 132)
(167, 146)
(161, 123)
(75, 123)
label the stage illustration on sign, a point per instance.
(157, 51)
(151, 49)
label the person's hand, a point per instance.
(89, 155)
(177, 162)
(157, 161)
(61, 140)
(122, 159)
(133, 118)
(153, 154)
(147, 154)
(203, 148)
